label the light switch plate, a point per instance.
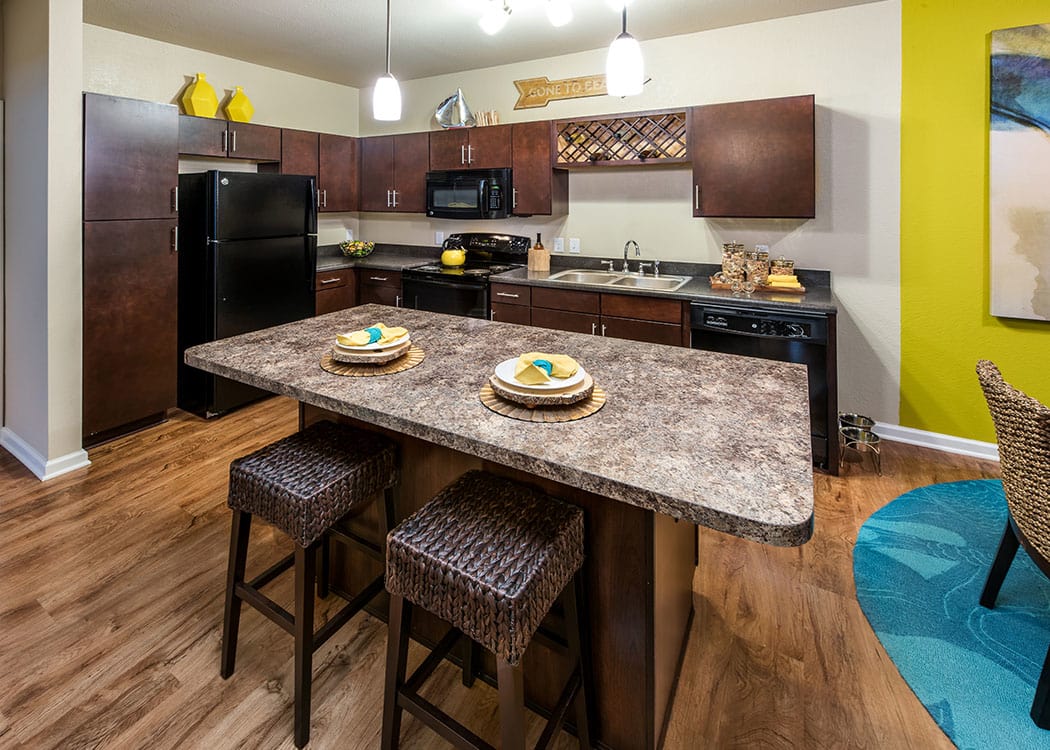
(559, 244)
(439, 237)
(574, 244)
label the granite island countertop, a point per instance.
(718, 440)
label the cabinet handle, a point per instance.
(470, 154)
(175, 239)
(233, 141)
(603, 329)
(388, 199)
(324, 200)
(397, 300)
(514, 198)
(377, 278)
(508, 294)
(225, 141)
(395, 197)
(492, 314)
(696, 196)
(462, 154)
(318, 197)
(330, 281)
(175, 199)
(594, 329)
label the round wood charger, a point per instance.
(566, 413)
(405, 362)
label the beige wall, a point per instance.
(848, 58)
(41, 69)
(126, 65)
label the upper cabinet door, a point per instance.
(256, 142)
(131, 163)
(299, 152)
(754, 159)
(448, 149)
(202, 136)
(538, 188)
(411, 157)
(338, 172)
(489, 147)
(377, 173)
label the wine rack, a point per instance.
(639, 138)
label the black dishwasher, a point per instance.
(802, 338)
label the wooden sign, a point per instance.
(536, 92)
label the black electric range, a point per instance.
(464, 289)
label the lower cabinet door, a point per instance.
(642, 330)
(510, 313)
(561, 320)
(130, 324)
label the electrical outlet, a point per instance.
(574, 244)
(439, 237)
(349, 234)
(559, 244)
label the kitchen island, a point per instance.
(685, 437)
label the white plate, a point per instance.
(376, 346)
(505, 372)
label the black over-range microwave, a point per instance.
(469, 194)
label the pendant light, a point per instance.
(624, 67)
(386, 97)
(495, 17)
(559, 12)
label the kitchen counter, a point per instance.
(384, 257)
(685, 437)
(676, 436)
(818, 297)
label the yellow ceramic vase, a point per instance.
(199, 99)
(239, 108)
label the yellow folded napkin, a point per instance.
(535, 368)
(374, 334)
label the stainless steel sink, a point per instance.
(575, 276)
(622, 280)
(661, 283)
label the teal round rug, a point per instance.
(919, 565)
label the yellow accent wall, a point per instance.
(945, 323)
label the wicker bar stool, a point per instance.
(490, 556)
(304, 484)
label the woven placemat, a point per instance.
(412, 358)
(568, 413)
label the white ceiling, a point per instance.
(343, 40)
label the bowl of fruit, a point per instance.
(357, 248)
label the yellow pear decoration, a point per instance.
(239, 108)
(199, 98)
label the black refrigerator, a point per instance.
(247, 254)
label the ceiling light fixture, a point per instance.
(624, 67)
(495, 17)
(386, 97)
(559, 12)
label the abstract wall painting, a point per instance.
(1019, 180)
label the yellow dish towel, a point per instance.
(374, 334)
(535, 368)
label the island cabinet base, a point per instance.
(639, 571)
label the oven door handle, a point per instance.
(447, 284)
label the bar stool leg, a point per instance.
(579, 652)
(471, 657)
(323, 576)
(511, 705)
(305, 576)
(240, 530)
(396, 660)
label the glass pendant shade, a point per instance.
(624, 67)
(559, 12)
(386, 99)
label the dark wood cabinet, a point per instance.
(754, 159)
(505, 313)
(510, 303)
(130, 325)
(380, 287)
(206, 136)
(638, 318)
(131, 163)
(538, 188)
(338, 171)
(299, 152)
(471, 148)
(393, 172)
(334, 290)
(560, 320)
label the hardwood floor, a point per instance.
(111, 583)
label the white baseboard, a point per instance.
(937, 441)
(35, 462)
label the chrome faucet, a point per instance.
(610, 264)
(637, 254)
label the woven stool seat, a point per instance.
(306, 482)
(488, 555)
